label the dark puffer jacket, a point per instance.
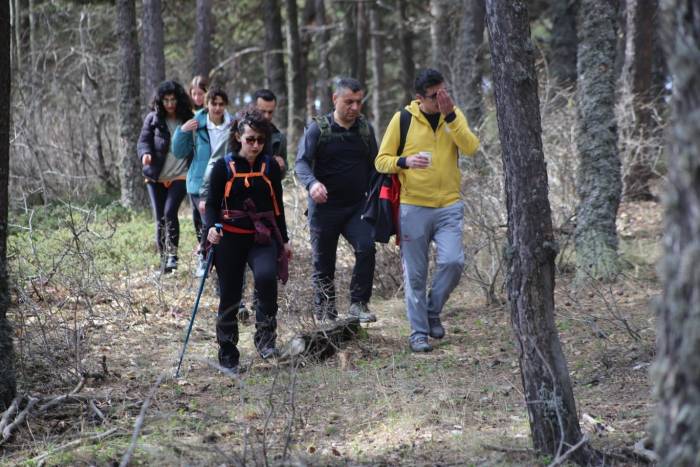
(154, 140)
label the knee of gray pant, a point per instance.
(453, 264)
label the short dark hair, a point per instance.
(345, 82)
(217, 92)
(426, 78)
(253, 118)
(264, 94)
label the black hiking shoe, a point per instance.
(170, 264)
(361, 311)
(269, 352)
(436, 329)
(419, 343)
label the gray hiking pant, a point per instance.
(419, 227)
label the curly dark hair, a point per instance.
(254, 119)
(183, 111)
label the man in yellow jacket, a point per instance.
(431, 209)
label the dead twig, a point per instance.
(7, 432)
(560, 459)
(10, 412)
(139, 422)
(75, 443)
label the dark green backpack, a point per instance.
(327, 135)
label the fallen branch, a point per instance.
(75, 443)
(7, 432)
(561, 459)
(511, 449)
(96, 411)
(139, 422)
(10, 412)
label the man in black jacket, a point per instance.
(335, 163)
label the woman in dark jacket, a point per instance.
(165, 175)
(245, 185)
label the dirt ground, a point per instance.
(374, 402)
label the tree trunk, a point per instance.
(350, 40)
(467, 87)
(677, 366)
(362, 43)
(274, 57)
(202, 38)
(307, 35)
(531, 246)
(408, 67)
(439, 34)
(324, 62)
(7, 357)
(133, 192)
(562, 62)
(637, 78)
(377, 44)
(599, 178)
(295, 85)
(153, 42)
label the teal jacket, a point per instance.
(183, 142)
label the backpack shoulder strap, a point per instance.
(404, 124)
(363, 130)
(324, 125)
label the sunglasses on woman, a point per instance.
(252, 139)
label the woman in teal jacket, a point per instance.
(207, 134)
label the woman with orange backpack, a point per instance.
(245, 196)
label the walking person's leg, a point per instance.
(416, 232)
(359, 234)
(157, 194)
(263, 262)
(324, 232)
(175, 194)
(449, 262)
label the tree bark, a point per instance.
(350, 40)
(202, 38)
(599, 176)
(324, 65)
(467, 87)
(133, 192)
(405, 35)
(677, 365)
(562, 62)
(377, 45)
(274, 57)
(362, 34)
(637, 77)
(153, 43)
(439, 34)
(7, 357)
(295, 84)
(531, 246)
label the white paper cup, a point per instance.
(427, 155)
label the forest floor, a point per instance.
(373, 403)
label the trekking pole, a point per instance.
(210, 257)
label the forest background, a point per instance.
(96, 331)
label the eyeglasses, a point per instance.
(252, 139)
(169, 100)
(433, 96)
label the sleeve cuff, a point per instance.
(402, 163)
(450, 117)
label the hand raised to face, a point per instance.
(445, 103)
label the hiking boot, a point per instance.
(228, 361)
(269, 352)
(436, 329)
(170, 264)
(419, 343)
(361, 311)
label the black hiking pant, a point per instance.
(231, 256)
(326, 225)
(165, 202)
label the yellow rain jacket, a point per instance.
(438, 185)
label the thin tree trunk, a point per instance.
(439, 35)
(637, 79)
(153, 43)
(133, 192)
(599, 178)
(350, 40)
(677, 366)
(377, 44)
(362, 34)
(274, 57)
(7, 373)
(295, 85)
(202, 38)
(467, 86)
(531, 246)
(562, 62)
(408, 67)
(307, 35)
(324, 65)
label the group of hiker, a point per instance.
(232, 167)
